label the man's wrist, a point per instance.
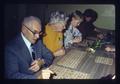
(41, 62)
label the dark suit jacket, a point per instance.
(18, 59)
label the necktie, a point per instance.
(33, 52)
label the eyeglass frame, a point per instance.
(34, 33)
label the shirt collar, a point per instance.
(27, 42)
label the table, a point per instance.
(79, 64)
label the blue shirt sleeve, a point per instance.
(76, 32)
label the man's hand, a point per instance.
(46, 73)
(41, 62)
(35, 65)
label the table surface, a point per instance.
(79, 64)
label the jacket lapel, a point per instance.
(24, 50)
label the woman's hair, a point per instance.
(77, 15)
(57, 17)
(91, 13)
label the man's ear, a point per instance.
(23, 29)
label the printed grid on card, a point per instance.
(104, 60)
(72, 59)
(65, 73)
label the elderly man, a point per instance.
(26, 55)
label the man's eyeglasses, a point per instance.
(35, 33)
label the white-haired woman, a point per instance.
(54, 35)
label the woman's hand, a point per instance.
(60, 52)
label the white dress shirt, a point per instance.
(27, 42)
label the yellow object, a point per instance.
(53, 39)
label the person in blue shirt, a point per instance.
(72, 34)
(19, 61)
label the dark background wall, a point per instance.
(10, 21)
(14, 14)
